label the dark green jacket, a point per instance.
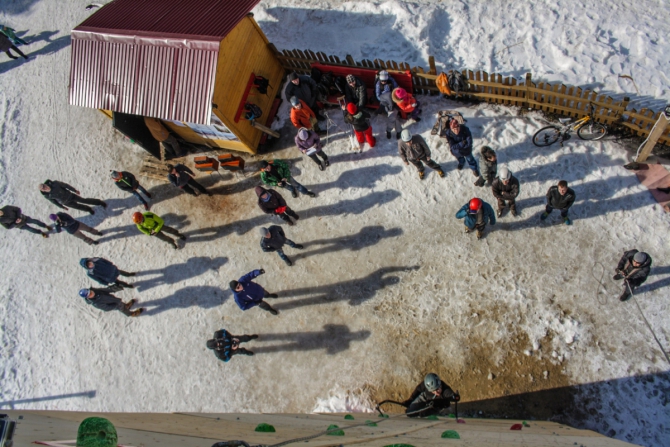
(269, 178)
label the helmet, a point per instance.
(53, 217)
(640, 257)
(83, 293)
(432, 382)
(475, 204)
(116, 175)
(295, 102)
(401, 93)
(351, 108)
(406, 135)
(83, 262)
(504, 173)
(211, 344)
(138, 217)
(383, 75)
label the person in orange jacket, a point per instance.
(407, 103)
(303, 116)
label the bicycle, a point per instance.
(587, 129)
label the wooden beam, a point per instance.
(654, 135)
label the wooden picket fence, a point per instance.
(494, 88)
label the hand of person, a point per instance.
(427, 158)
(77, 192)
(152, 233)
(456, 398)
(262, 271)
(66, 208)
(18, 220)
(406, 162)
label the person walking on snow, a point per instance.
(407, 103)
(273, 239)
(63, 196)
(104, 272)
(102, 299)
(560, 197)
(303, 87)
(460, 144)
(271, 202)
(277, 173)
(126, 181)
(633, 268)
(477, 214)
(309, 143)
(413, 149)
(225, 345)
(182, 177)
(64, 221)
(360, 120)
(152, 225)
(505, 188)
(433, 396)
(303, 116)
(488, 166)
(384, 90)
(167, 141)
(6, 45)
(248, 294)
(11, 217)
(356, 91)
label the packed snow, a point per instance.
(388, 286)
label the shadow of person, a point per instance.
(367, 237)
(111, 234)
(334, 338)
(175, 273)
(357, 291)
(206, 297)
(365, 177)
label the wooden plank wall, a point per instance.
(494, 88)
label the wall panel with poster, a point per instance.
(216, 131)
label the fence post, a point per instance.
(654, 135)
(528, 82)
(431, 62)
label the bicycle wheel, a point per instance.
(546, 136)
(592, 131)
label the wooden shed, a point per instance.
(192, 64)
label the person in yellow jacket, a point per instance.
(152, 225)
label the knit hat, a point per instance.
(83, 293)
(233, 285)
(264, 164)
(351, 108)
(116, 175)
(351, 79)
(211, 344)
(640, 257)
(259, 190)
(83, 261)
(295, 102)
(293, 76)
(401, 93)
(53, 217)
(303, 134)
(383, 75)
(406, 135)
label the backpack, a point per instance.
(457, 82)
(442, 84)
(340, 84)
(261, 84)
(316, 75)
(252, 111)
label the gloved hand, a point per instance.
(456, 397)
(262, 271)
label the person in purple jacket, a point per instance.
(309, 143)
(248, 294)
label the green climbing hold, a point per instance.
(370, 424)
(349, 417)
(450, 434)
(265, 428)
(525, 424)
(334, 432)
(432, 417)
(384, 416)
(399, 445)
(96, 432)
(452, 415)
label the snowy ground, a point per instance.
(388, 287)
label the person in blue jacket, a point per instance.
(225, 345)
(104, 272)
(460, 144)
(477, 214)
(248, 294)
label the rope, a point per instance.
(600, 283)
(647, 323)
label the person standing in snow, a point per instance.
(126, 181)
(477, 214)
(11, 34)
(460, 144)
(633, 268)
(152, 225)
(488, 166)
(303, 116)
(63, 196)
(304, 88)
(309, 143)
(64, 221)
(560, 197)
(11, 217)
(413, 149)
(183, 178)
(6, 45)
(104, 272)
(273, 239)
(360, 120)
(430, 397)
(356, 92)
(505, 188)
(248, 294)
(384, 90)
(225, 345)
(167, 141)
(277, 173)
(102, 299)
(407, 103)
(271, 202)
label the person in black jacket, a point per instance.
(505, 188)
(11, 217)
(633, 268)
(413, 149)
(356, 92)
(303, 87)
(273, 239)
(271, 202)
(102, 299)
(430, 397)
(64, 221)
(126, 181)
(63, 196)
(560, 197)
(226, 345)
(360, 120)
(182, 177)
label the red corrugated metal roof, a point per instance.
(152, 57)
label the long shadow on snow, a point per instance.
(130, 230)
(11, 403)
(52, 47)
(650, 287)
(206, 297)
(334, 338)
(16, 7)
(356, 291)
(175, 273)
(365, 177)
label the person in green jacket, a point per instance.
(277, 173)
(152, 225)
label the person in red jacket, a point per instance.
(360, 120)
(303, 116)
(407, 103)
